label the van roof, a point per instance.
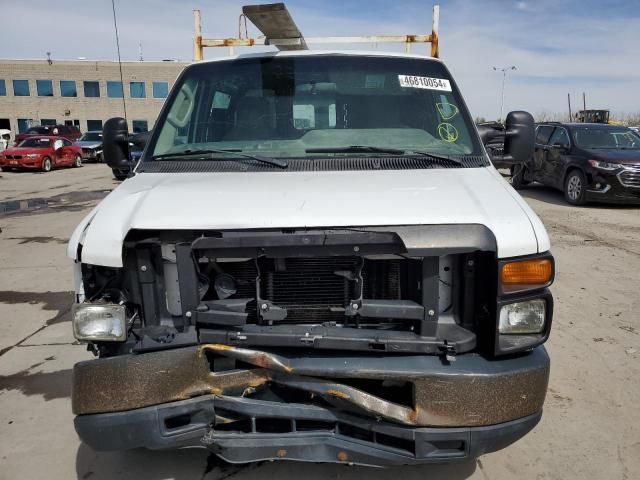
(310, 53)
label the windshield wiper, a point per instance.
(435, 156)
(187, 153)
(388, 151)
(355, 149)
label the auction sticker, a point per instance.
(411, 81)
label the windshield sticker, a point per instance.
(447, 110)
(429, 83)
(448, 132)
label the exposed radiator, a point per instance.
(316, 289)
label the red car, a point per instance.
(41, 153)
(66, 131)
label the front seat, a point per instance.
(255, 120)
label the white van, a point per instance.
(314, 260)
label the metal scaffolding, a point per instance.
(279, 30)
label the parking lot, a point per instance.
(592, 411)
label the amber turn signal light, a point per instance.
(526, 275)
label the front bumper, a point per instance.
(35, 163)
(614, 187)
(91, 154)
(172, 399)
(333, 438)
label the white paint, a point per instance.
(281, 199)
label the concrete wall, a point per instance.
(81, 108)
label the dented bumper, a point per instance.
(374, 410)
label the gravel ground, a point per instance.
(590, 428)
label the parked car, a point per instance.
(67, 131)
(91, 144)
(587, 161)
(314, 260)
(41, 153)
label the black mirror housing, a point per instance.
(115, 143)
(520, 134)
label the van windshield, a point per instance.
(310, 106)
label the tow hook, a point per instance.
(447, 351)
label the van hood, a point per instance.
(249, 200)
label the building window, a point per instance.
(21, 88)
(48, 121)
(136, 90)
(3, 89)
(160, 89)
(92, 89)
(44, 88)
(24, 124)
(140, 126)
(68, 88)
(114, 89)
(94, 125)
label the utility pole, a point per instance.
(504, 71)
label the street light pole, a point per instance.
(504, 71)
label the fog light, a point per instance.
(106, 323)
(522, 317)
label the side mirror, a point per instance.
(115, 143)
(520, 135)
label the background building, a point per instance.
(83, 93)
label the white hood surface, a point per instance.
(281, 199)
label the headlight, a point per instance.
(604, 165)
(106, 323)
(32, 155)
(522, 317)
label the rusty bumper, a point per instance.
(248, 405)
(471, 391)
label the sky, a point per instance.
(557, 46)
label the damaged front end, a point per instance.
(340, 408)
(366, 346)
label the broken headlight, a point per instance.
(99, 323)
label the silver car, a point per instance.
(91, 144)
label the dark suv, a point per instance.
(587, 161)
(67, 131)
